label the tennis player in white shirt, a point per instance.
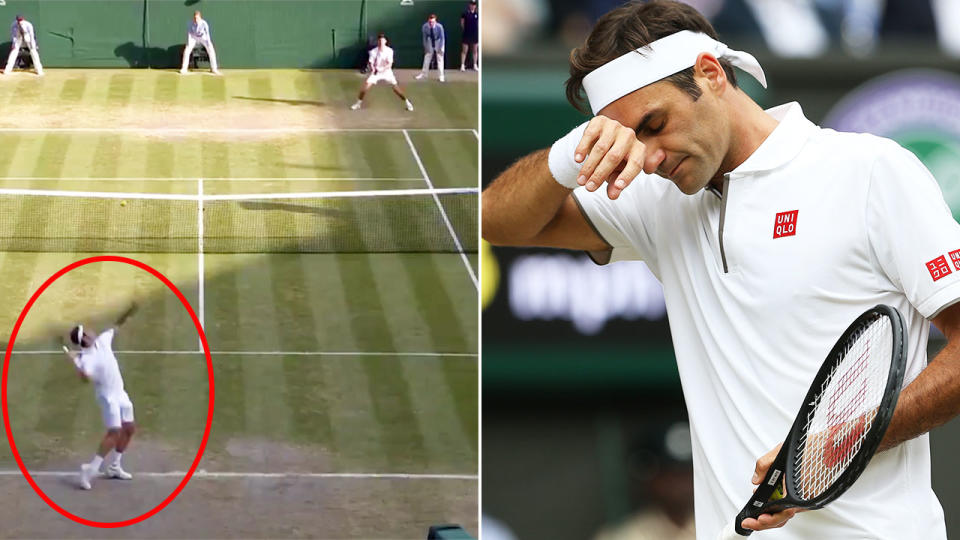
(381, 69)
(198, 31)
(95, 362)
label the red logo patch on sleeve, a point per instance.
(938, 267)
(785, 224)
(955, 257)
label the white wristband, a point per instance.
(563, 167)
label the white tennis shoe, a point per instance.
(409, 105)
(355, 106)
(86, 473)
(116, 471)
(420, 76)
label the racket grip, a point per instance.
(744, 514)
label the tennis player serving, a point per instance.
(769, 235)
(96, 363)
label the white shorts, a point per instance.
(116, 410)
(385, 76)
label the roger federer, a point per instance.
(96, 363)
(769, 235)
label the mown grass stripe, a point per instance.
(266, 414)
(120, 89)
(462, 382)
(260, 87)
(304, 388)
(73, 89)
(8, 152)
(448, 442)
(214, 90)
(402, 439)
(223, 329)
(166, 88)
(448, 311)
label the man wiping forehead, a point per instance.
(769, 235)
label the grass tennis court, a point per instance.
(346, 381)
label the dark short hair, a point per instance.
(381, 35)
(631, 26)
(75, 336)
(432, 16)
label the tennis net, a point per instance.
(415, 220)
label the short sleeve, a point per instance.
(625, 223)
(912, 231)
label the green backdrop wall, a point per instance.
(246, 33)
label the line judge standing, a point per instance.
(434, 42)
(198, 31)
(470, 25)
(22, 34)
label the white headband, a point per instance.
(662, 58)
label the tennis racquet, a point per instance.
(841, 422)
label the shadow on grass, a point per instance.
(287, 101)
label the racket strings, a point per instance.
(844, 408)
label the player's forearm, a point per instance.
(521, 202)
(930, 400)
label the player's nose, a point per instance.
(654, 158)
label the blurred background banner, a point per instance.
(578, 367)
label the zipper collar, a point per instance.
(782, 145)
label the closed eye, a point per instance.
(645, 126)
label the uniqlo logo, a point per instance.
(955, 258)
(785, 224)
(938, 267)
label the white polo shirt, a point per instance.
(381, 60)
(814, 228)
(99, 364)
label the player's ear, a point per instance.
(708, 68)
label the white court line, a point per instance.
(200, 259)
(206, 474)
(443, 213)
(215, 179)
(237, 196)
(286, 353)
(291, 129)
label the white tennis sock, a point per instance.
(97, 461)
(117, 456)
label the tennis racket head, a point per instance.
(842, 420)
